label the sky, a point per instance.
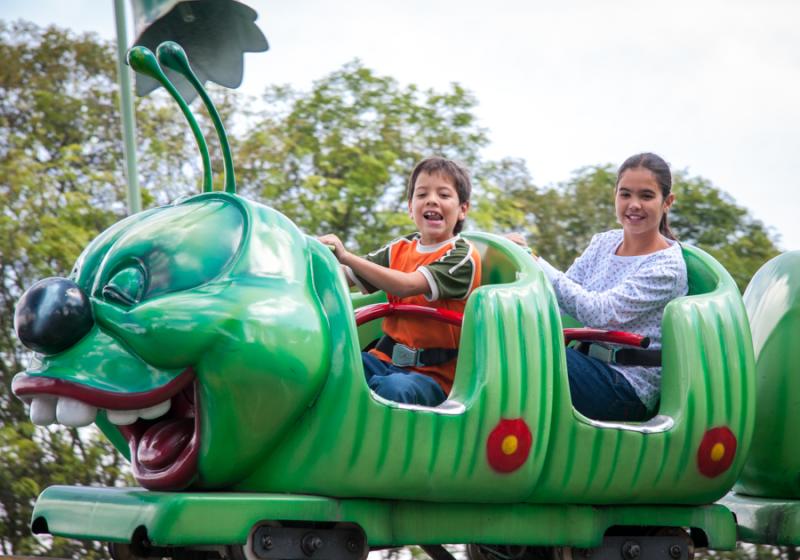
(713, 86)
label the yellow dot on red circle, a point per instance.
(717, 452)
(509, 445)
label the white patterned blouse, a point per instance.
(605, 291)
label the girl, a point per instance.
(623, 281)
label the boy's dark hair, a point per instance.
(660, 170)
(456, 172)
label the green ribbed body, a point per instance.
(350, 443)
(773, 304)
(264, 317)
(512, 365)
(767, 497)
(407, 472)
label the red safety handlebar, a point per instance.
(600, 335)
(379, 310)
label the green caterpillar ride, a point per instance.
(218, 348)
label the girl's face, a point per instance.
(639, 203)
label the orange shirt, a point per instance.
(453, 270)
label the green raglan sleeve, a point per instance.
(453, 275)
(379, 256)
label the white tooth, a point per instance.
(155, 411)
(43, 411)
(74, 413)
(122, 417)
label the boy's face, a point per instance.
(435, 208)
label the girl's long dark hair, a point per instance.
(660, 170)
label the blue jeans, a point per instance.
(601, 392)
(399, 384)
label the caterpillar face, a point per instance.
(190, 331)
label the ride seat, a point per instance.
(497, 266)
(703, 345)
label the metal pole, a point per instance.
(126, 108)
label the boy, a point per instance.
(414, 362)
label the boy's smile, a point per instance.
(435, 207)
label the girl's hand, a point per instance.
(335, 244)
(519, 239)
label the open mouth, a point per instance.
(161, 426)
(431, 215)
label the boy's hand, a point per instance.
(335, 244)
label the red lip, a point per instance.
(164, 451)
(28, 385)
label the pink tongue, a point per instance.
(163, 442)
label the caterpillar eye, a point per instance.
(126, 287)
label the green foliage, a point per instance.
(505, 196)
(561, 220)
(336, 158)
(569, 215)
(709, 218)
(61, 183)
(35, 458)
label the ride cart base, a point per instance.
(251, 525)
(774, 521)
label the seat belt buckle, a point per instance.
(602, 352)
(404, 356)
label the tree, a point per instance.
(569, 215)
(709, 218)
(61, 183)
(561, 220)
(58, 172)
(336, 159)
(505, 198)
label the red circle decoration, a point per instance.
(709, 460)
(508, 457)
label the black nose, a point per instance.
(53, 315)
